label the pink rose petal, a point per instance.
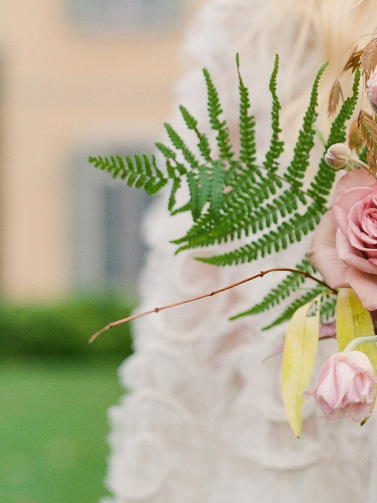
(352, 256)
(365, 287)
(323, 254)
(352, 179)
(344, 246)
(344, 204)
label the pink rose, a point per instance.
(345, 387)
(344, 246)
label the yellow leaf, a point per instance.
(352, 321)
(300, 348)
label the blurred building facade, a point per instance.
(78, 78)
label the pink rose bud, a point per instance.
(345, 387)
(338, 156)
(372, 91)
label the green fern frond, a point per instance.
(292, 229)
(185, 207)
(231, 198)
(243, 217)
(248, 189)
(296, 304)
(179, 144)
(199, 191)
(323, 181)
(175, 188)
(172, 162)
(206, 187)
(238, 204)
(276, 146)
(190, 121)
(241, 221)
(246, 124)
(252, 187)
(300, 162)
(139, 172)
(328, 307)
(288, 232)
(203, 145)
(214, 111)
(218, 174)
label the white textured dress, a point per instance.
(202, 420)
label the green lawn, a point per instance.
(53, 429)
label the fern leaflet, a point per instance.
(321, 186)
(300, 162)
(139, 172)
(296, 304)
(276, 146)
(214, 110)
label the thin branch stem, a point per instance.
(114, 324)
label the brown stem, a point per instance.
(157, 309)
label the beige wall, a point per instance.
(60, 84)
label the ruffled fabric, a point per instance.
(203, 419)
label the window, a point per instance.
(108, 247)
(126, 14)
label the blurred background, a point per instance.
(77, 78)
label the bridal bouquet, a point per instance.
(264, 207)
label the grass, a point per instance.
(53, 428)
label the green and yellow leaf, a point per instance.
(352, 321)
(300, 349)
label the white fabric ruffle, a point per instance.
(203, 419)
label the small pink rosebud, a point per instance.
(345, 387)
(338, 156)
(372, 91)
